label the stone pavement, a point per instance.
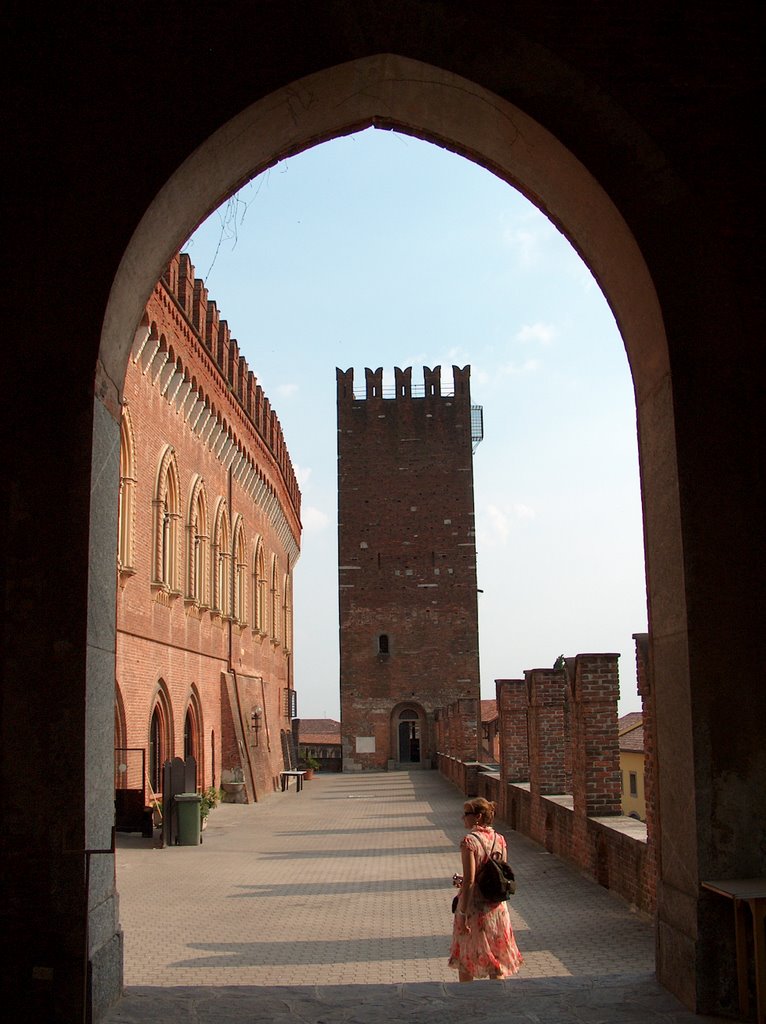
(332, 906)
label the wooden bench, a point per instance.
(750, 892)
(293, 773)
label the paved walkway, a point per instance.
(332, 906)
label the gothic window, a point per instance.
(198, 538)
(193, 733)
(221, 556)
(259, 589)
(240, 573)
(383, 643)
(287, 638)
(127, 494)
(167, 516)
(160, 740)
(276, 602)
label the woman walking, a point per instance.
(483, 945)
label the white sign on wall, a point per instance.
(365, 744)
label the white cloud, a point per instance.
(513, 369)
(302, 475)
(539, 332)
(314, 519)
(287, 390)
(522, 511)
(496, 522)
(499, 523)
(524, 242)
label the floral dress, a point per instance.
(489, 949)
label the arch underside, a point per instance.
(391, 92)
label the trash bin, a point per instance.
(188, 818)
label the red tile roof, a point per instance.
(631, 731)
(319, 730)
(489, 710)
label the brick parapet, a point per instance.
(586, 829)
(547, 692)
(513, 708)
(596, 752)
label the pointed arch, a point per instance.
(239, 554)
(198, 546)
(276, 601)
(127, 497)
(167, 520)
(160, 735)
(221, 560)
(287, 631)
(259, 588)
(193, 733)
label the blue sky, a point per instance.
(382, 250)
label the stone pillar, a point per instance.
(644, 686)
(467, 723)
(596, 749)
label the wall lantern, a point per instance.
(255, 717)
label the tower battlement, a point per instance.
(403, 389)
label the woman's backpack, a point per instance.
(495, 878)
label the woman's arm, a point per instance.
(469, 877)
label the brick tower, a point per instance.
(409, 639)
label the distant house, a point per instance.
(320, 738)
(490, 732)
(631, 737)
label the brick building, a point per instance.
(209, 534)
(320, 738)
(406, 563)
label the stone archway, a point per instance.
(394, 92)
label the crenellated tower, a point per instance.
(406, 562)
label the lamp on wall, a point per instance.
(255, 718)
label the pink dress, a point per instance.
(489, 949)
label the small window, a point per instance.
(383, 643)
(633, 784)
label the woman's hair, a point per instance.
(485, 808)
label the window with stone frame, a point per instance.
(167, 519)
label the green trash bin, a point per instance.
(188, 818)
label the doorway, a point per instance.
(409, 737)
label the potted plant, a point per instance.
(211, 797)
(311, 765)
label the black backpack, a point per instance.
(495, 878)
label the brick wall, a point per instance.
(566, 721)
(186, 400)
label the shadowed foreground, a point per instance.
(333, 906)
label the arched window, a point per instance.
(259, 589)
(198, 546)
(276, 602)
(160, 739)
(287, 637)
(221, 555)
(193, 734)
(240, 573)
(167, 518)
(383, 644)
(127, 494)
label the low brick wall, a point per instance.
(612, 851)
